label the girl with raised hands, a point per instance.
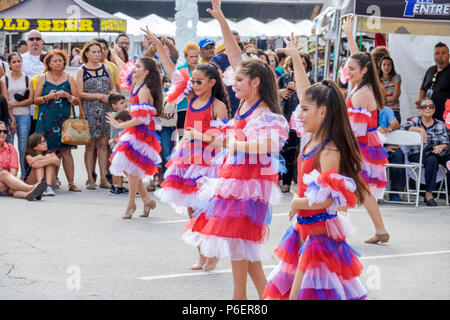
(136, 153)
(234, 223)
(363, 103)
(325, 266)
(208, 109)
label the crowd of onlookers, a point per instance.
(37, 94)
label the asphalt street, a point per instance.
(75, 246)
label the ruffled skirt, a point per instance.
(329, 265)
(136, 153)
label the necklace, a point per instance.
(55, 81)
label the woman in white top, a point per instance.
(19, 94)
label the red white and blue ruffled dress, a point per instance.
(364, 125)
(191, 161)
(138, 148)
(330, 266)
(234, 221)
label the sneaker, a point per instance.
(115, 190)
(124, 190)
(395, 197)
(49, 192)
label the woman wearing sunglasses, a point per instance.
(9, 166)
(436, 143)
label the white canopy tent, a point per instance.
(254, 27)
(158, 25)
(280, 28)
(303, 28)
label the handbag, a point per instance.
(76, 132)
(428, 150)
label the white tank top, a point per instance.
(16, 86)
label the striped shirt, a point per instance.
(389, 85)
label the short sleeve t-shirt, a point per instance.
(438, 85)
(386, 116)
(32, 65)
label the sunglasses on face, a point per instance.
(198, 82)
(35, 39)
(3, 131)
(427, 106)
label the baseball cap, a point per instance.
(205, 42)
(21, 43)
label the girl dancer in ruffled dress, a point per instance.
(136, 154)
(325, 266)
(234, 223)
(193, 159)
(366, 97)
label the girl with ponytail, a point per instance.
(324, 266)
(136, 153)
(363, 103)
(194, 159)
(234, 222)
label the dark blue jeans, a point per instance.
(167, 144)
(397, 175)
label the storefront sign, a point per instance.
(436, 10)
(61, 25)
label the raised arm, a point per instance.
(167, 63)
(115, 55)
(233, 50)
(347, 26)
(301, 78)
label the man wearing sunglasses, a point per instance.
(436, 83)
(32, 64)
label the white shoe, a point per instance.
(49, 192)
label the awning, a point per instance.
(59, 16)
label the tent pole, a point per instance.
(316, 58)
(337, 46)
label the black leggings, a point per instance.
(290, 154)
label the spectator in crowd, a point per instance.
(191, 53)
(4, 67)
(392, 85)
(388, 122)
(117, 102)
(9, 166)
(250, 49)
(281, 61)
(41, 163)
(22, 47)
(378, 53)
(76, 58)
(19, 93)
(123, 41)
(95, 82)
(4, 110)
(274, 63)
(436, 142)
(222, 62)
(207, 47)
(113, 69)
(56, 92)
(436, 83)
(33, 64)
(263, 56)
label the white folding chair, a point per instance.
(406, 138)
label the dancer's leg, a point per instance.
(256, 272)
(240, 270)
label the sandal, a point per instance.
(383, 238)
(91, 185)
(73, 187)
